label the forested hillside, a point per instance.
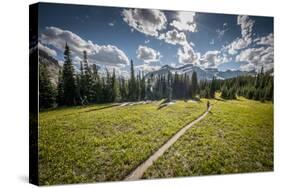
(89, 86)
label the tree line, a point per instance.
(89, 86)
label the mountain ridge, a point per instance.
(202, 74)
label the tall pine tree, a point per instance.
(132, 84)
(194, 84)
(69, 88)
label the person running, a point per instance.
(208, 104)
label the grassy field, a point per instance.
(105, 142)
(236, 137)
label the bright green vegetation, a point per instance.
(105, 142)
(236, 137)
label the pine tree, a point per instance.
(213, 88)
(78, 90)
(224, 92)
(82, 82)
(95, 84)
(142, 88)
(88, 80)
(68, 79)
(138, 89)
(187, 87)
(194, 84)
(113, 87)
(169, 86)
(123, 88)
(132, 84)
(60, 95)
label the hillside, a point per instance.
(52, 65)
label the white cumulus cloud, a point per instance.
(184, 21)
(246, 24)
(148, 54)
(256, 57)
(146, 21)
(266, 40)
(174, 37)
(99, 54)
(46, 49)
(186, 54)
(147, 67)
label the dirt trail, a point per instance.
(139, 171)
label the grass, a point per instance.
(236, 137)
(105, 142)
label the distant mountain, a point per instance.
(234, 73)
(52, 65)
(202, 74)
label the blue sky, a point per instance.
(153, 38)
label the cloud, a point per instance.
(237, 44)
(147, 54)
(256, 58)
(210, 59)
(212, 42)
(111, 24)
(246, 24)
(174, 37)
(147, 41)
(186, 54)
(146, 21)
(76, 60)
(147, 67)
(266, 40)
(46, 49)
(103, 55)
(152, 22)
(221, 33)
(184, 21)
(109, 55)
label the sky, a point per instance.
(153, 38)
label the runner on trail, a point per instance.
(208, 104)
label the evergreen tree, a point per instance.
(224, 92)
(142, 88)
(169, 86)
(213, 88)
(94, 84)
(89, 92)
(78, 89)
(132, 84)
(194, 84)
(60, 95)
(123, 88)
(113, 87)
(68, 79)
(82, 82)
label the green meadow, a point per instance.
(236, 137)
(106, 142)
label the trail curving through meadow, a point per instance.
(139, 171)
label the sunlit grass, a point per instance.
(105, 142)
(236, 137)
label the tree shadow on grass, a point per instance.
(220, 99)
(162, 106)
(102, 108)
